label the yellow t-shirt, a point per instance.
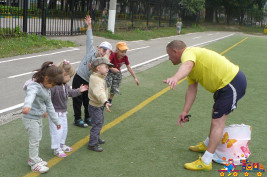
(211, 70)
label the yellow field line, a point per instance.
(234, 45)
(85, 140)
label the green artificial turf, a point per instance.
(149, 143)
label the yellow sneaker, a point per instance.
(200, 147)
(198, 165)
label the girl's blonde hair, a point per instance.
(67, 67)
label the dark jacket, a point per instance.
(60, 94)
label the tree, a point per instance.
(212, 7)
(102, 4)
(52, 4)
(39, 4)
(123, 5)
(242, 6)
(229, 7)
(194, 7)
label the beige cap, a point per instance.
(100, 60)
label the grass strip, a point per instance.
(27, 44)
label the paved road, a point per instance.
(14, 71)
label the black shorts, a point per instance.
(226, 98)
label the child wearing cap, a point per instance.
(114, 77)
(83, 73)
(98, 95)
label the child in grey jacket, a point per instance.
(37, 103)
(83, 74)
(59, 96)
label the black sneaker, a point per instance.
(80, 123)
(95, 148)
(100, 141)
(88, 121)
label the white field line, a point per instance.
(138, 48)
(11, 108)
(212, 40)
(123, 70)
(75, 62)
(14, 76)
(146, 62)
(18, 75)
(138, 41)
(162, 56)
(35, 56)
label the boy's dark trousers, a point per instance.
(97, 121)
(80, 100)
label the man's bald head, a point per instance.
(176, 44)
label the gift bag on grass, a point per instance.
(234, 144)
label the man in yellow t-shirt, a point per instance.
(217, 75)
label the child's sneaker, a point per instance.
(65, 148)
(39, 168)
(31, 163)
(59, 153)
(88, 121)
(200, 147)
(80, 123)
(100, 141)
(198, 165)
(95, 148)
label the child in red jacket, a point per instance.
(114, 77)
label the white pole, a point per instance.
(112, 15)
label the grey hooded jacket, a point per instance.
(83, 71)
(38, 98)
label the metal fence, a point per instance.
(32, 17)
(65, 17)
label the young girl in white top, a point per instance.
(59, 96)
(37, 103)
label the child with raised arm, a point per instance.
(83, 73)
(118, 58)
(98, 95)
(37, 103)
(59, 96)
